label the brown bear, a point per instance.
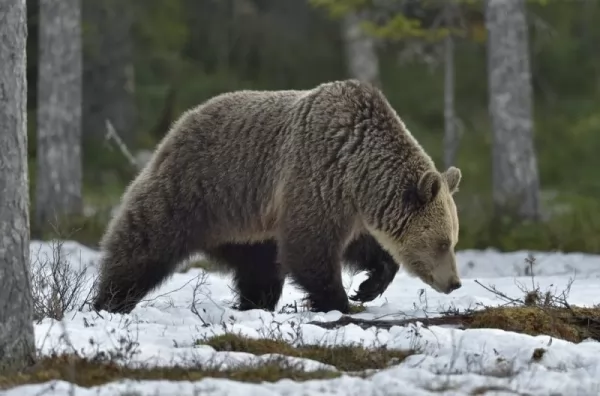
(277, 183)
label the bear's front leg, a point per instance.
(378, 281)
(312, 256)
(365, 254)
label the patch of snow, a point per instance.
(450, 361)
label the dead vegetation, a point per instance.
(573, 324)
(56, 287)
(60, 286)
(106, 367)
(344, 357)
(536, 313)
(89, 372)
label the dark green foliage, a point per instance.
(199, 48)
(573, 228)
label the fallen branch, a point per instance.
(454, 320)
(573, 325)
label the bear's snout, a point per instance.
(455, 284)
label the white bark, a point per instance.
(59, 175)
(17, 347)
(451, 138)
(515, 170)
(109, 87)
(361, 54)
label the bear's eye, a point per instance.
(443, 246)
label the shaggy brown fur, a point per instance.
(282, 182)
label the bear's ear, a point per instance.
(453, 176)
(429, 186)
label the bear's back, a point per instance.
(229, 150)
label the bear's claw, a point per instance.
(376, 284)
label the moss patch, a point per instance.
(357, 308)
(88, 373)
(572, 325)
(345, 358)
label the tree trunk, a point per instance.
(361, 54)
(515, 173)
(108, 90)
(58, 184)
(17, 346)
(451, 138)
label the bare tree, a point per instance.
(515, 169)
(58, 185)
(361, 54)
(451, 136)
(17, 346)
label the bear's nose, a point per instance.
(454, 285)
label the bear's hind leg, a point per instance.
(258, 277)
(141, 249)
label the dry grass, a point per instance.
(87, 373)
(540, 312)
(345, 358)
(91, 372)
(573, 324)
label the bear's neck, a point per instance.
(382, 179)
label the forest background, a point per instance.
(444, 65)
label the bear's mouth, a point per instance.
(418, 268)
(425, 277)
(436, 288)
(430, 280)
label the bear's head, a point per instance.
(427, 230)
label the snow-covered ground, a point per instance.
(450, 362)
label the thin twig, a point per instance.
(112, 134)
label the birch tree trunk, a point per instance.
(17, 347)
(451, 138)
(515, 169)
(58, 185)
(361, 54)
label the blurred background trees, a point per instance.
(509, 91)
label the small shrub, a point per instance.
(57, 286)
